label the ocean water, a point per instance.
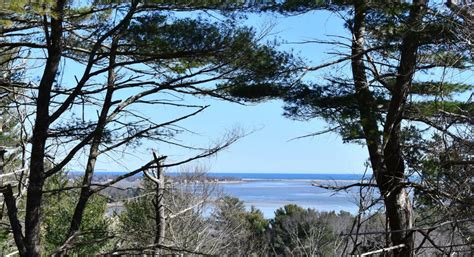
(288, 176)
(270, 191)
(269, 195)
(256, 176)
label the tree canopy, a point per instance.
(398, 97)
(86, 68)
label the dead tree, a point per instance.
(186, 199)
(158, 179)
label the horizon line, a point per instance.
(248, 172)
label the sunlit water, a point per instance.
(268, 192)
(269, 195)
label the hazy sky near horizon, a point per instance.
(268, 147)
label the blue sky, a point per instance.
(269, 147)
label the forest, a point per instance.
(83, 81)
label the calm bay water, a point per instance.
(271, 195)
(269, 192)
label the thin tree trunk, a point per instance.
(365, 99)
(160, 206)
(12, 210)
(40, 134)
(2, 164)
(94, 149)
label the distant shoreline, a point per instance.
(305, 180)
(236, 178)
(312, 181)
(249, 176)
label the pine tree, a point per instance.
(90, 65)
(401, 56)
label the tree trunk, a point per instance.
(386, 160)
(12, 210)
(160, 207)
(2, 156)
(40, 135)
(365, 99)
(398, 205)
(94, 150)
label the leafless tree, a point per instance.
(186, 203)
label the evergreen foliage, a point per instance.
(58, 209)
